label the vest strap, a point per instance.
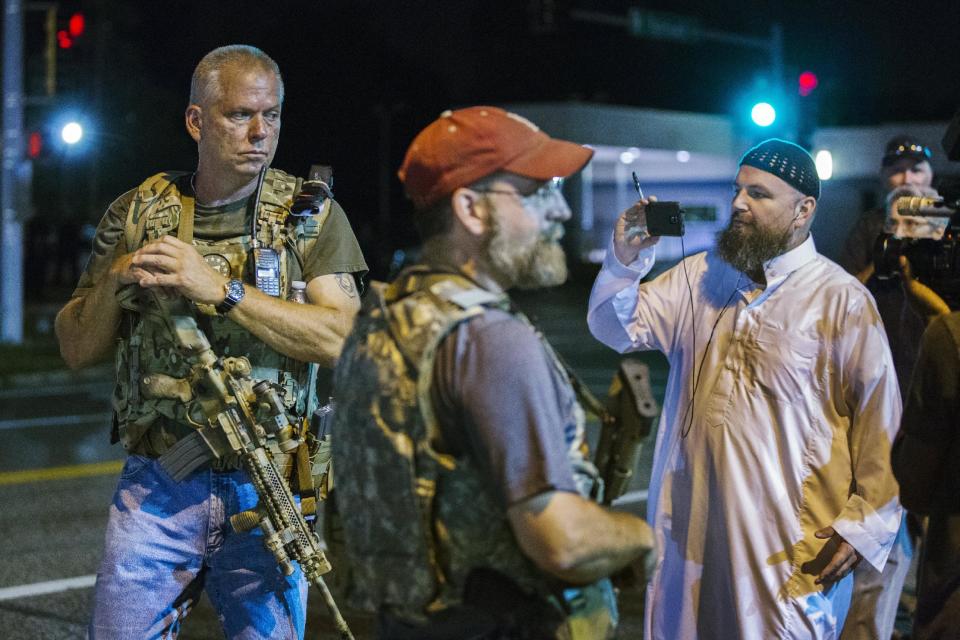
(185, 228)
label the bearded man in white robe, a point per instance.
(771, 477)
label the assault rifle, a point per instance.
(223, 403)
(625, 422)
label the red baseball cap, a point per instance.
(465, 145)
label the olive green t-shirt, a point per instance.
(335, 251)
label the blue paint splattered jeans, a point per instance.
(168, 541)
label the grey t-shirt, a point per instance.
(501, 401)
(336, 250)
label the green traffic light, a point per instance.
(763, 114)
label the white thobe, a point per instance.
(780, 409)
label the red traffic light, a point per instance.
(807, 82)
(76, 25)
(34, 145)
(64, 41)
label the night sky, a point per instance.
(362, 77)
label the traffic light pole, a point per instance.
(11, 187)
(659, 25)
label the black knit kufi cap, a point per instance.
(788, 161)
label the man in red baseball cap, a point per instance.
(471, 514)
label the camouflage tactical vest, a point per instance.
(147, 424)
(417, 521)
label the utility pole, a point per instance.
(15, 172)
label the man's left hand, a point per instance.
(169, 262)
(844, 559)
(922, 298)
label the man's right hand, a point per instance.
(630, 234)
(124, 272)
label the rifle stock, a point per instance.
(630, 412)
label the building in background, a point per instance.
(692, 158)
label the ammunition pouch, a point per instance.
(178, 453)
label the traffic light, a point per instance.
(763, 114)
(34, 145)
(73, 53)
(808, 108)
(806, 83)
(762, 109)
(74, 28)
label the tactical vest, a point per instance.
(147, 424)
(417, 521)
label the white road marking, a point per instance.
(51, 586)
(99, 388)
(54, 421)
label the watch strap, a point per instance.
(234, 295)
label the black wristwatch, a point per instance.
(234, 295)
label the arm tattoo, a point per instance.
(345, 282)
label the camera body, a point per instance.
(936, 263)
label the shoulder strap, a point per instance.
(276, 228)
(279, 188)
(583, 393)
(276, 197)
(147, 195)
(422, 307)
(185, 228)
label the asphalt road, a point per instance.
(58, 472)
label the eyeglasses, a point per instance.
(547, 196)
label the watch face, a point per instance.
(219, 263)
(234, 295)
(236, 289)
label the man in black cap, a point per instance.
(771, 477)
(905, 171)
(906, 163)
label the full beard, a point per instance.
(747, 247)
(541, 264)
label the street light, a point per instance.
(72, 132)
(824, 162)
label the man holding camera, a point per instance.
(905, 163)
(906, 170)
(771, 479)
(194, 234)
(470, 515)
